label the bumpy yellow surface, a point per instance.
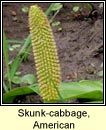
(45, 54)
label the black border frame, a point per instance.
(54, 104)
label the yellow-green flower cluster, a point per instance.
(45, 54)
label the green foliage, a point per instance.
(15, 41)
(76, 8)
(26, 79)
(6, 56)
(25, 9)
(57, 6)
(91, 91)
(11, 95)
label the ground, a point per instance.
(78, 42)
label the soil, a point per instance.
(79, 43)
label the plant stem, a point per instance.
(5, 51)
(5, 87)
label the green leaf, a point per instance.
(18, 60)
(16, 80)
(6, 57)
(14, 67)
(29, 79)
(25, 53)
(26, 44)
(57, 6)
(84, 90)
(10, 96)
(49, 9)
(25, 9)
(15, 41)
(76, 8)
(5, 87)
